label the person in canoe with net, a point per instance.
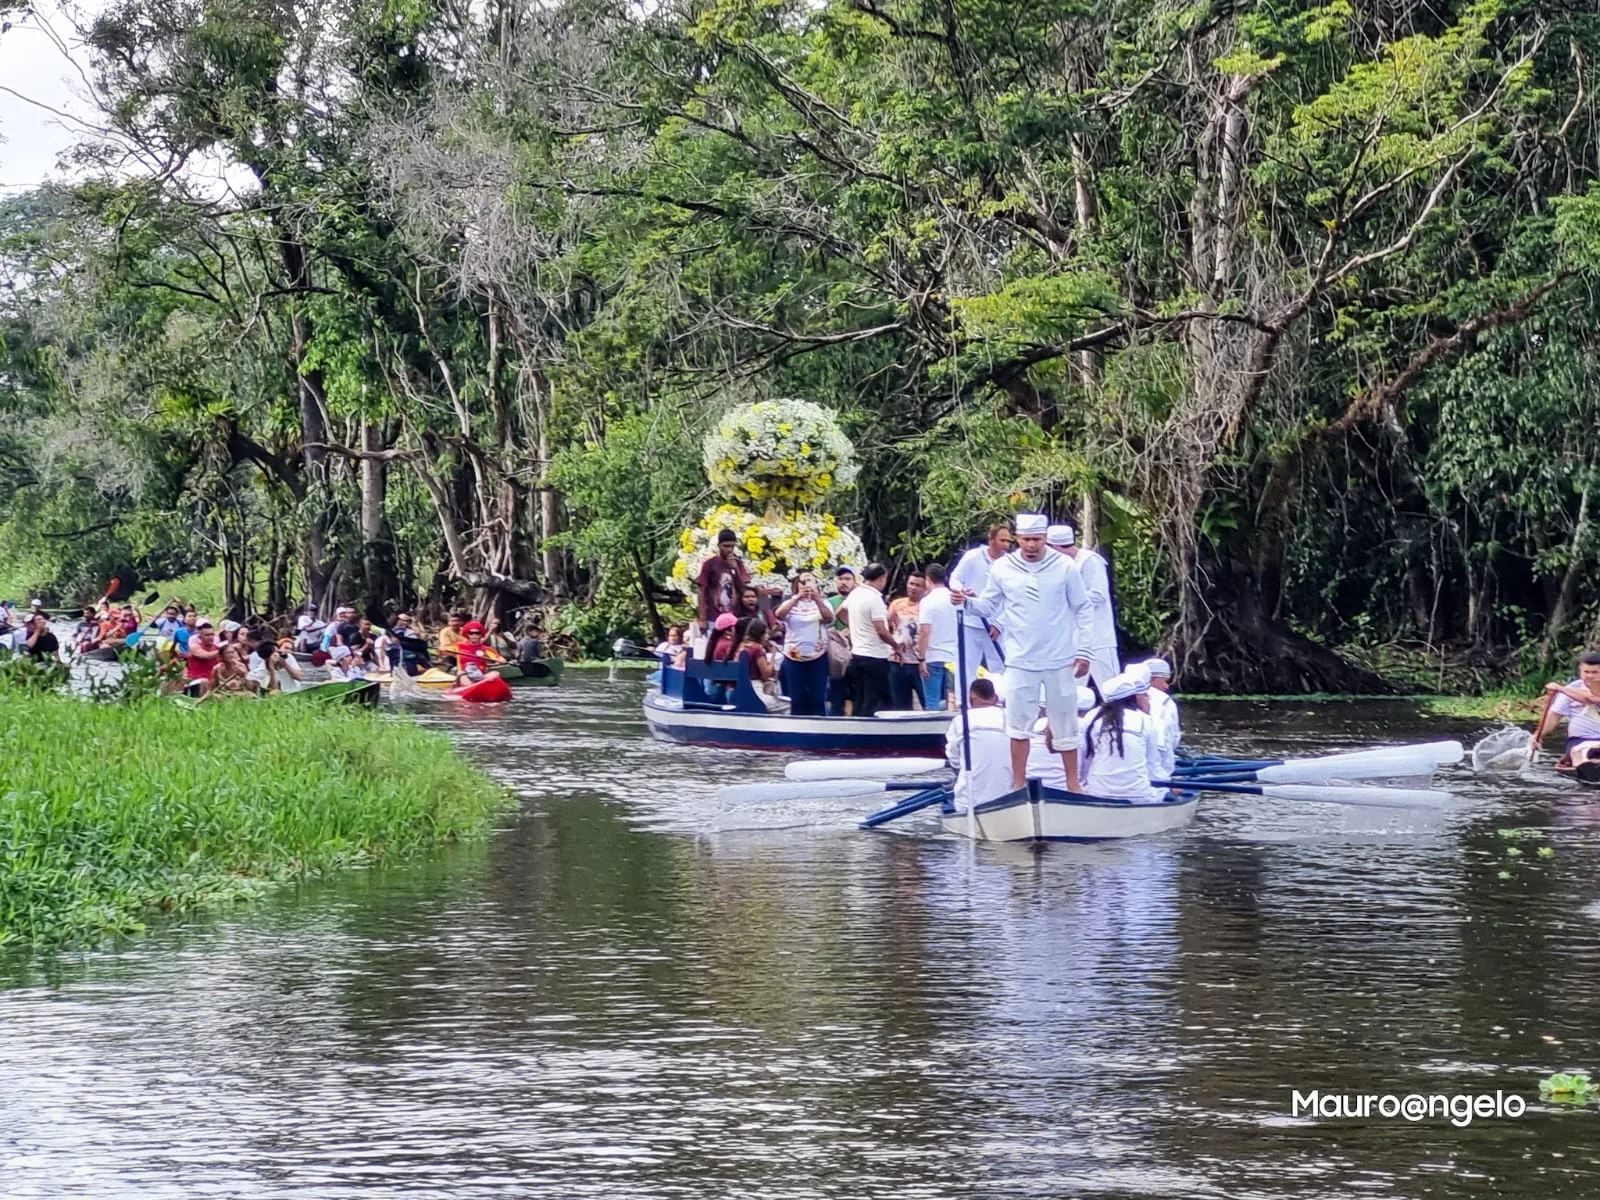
(1578, 704)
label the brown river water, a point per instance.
(626, 993)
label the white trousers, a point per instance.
(1103, 664)
(1060, 693)
(981, 652)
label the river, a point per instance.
(624, 993)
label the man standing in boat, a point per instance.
(723, 577)
(1100, 648)
(1578, 704)
(1038, 600)
(968, 579)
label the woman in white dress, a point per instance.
(1120, 748)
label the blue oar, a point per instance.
(917, 803)
(1371, 797)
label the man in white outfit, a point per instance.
(1100, 647)
(1164, 711)
(968, 578)
(990, 776)
(1038, 600)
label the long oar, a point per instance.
(1368, 797)
(916, 803)
(1391, 762)
(820, 789)
(861, 768)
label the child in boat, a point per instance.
(763, 674)
(1120, 746)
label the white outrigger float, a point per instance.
(1039, 814)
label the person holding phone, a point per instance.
(806, 619)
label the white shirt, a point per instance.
(803, 635)
(1582, 719)
(1045, 764)
(972, 571)
(936, 614)
(1124, 776)
(1102, 629)
(1041, 608)
(990, 777)
(861, 608)
(1164, 714)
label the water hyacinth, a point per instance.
(774, 545)
(788, 452)
(111, 812)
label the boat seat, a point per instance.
(691, 686)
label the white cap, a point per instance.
(38, 604)
(1060, 535)
(1132, 682)
(345, 608)
(1086, 700)
(1032, 524)
(338, 652)
(303, 622)
(1159, 668)
(231, 627)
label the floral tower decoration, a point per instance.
(774, 463)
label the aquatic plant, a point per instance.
(1562, 1088)
(111, 812)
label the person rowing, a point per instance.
(1164, 711)
(1037, 598)
(1122, 744)
(1578, 704)
(990, 775)
(472, 653)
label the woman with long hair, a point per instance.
(1121, 744)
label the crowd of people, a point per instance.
(254, 658)
(1028, 613)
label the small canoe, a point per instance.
(1586, 773)
(491, 689)
(436, 679)
(546, 673)
(1040, 814)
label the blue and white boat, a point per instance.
(1041, 814)
(714, 704)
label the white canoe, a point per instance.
(1035, 814)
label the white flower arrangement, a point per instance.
(791, 452)
(773, 546)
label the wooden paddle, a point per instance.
(1538, 730)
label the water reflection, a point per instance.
(620, 996)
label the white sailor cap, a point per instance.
(303, 622)
(1032, 524)
(1060, 535)
(1086, 700)
(1159, 668)
(1132, 682)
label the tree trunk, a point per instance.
(380, 576)
(1567, 598)
(1225, 641)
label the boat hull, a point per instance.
(491, 689)
(1044, 815)
(518, 676)
(691, 725)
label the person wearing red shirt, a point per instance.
(472, 653)
(201, 662)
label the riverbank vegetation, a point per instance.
(1293, 307)
(110, 813)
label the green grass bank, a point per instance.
(110, 813)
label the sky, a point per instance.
(37, 69)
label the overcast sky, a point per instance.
(36, 68)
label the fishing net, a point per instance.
(1502, 750)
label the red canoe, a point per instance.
(491, 689)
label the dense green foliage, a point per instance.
(109, 812)
(1291, 303)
